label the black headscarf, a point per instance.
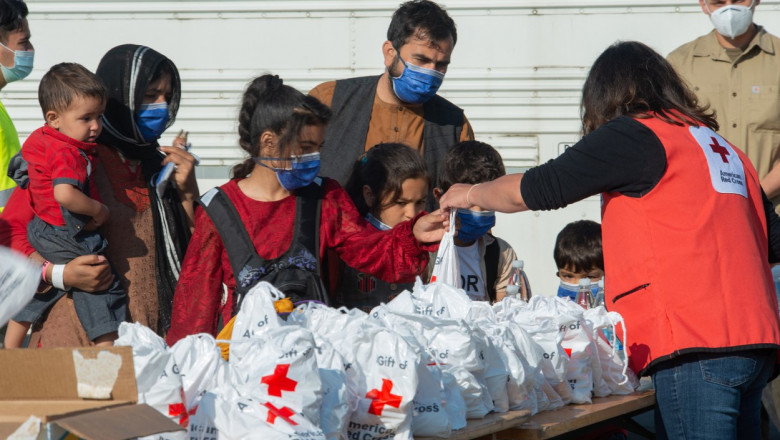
(127, 71)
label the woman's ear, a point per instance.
(269, 144)
(437, 193)
(368, 196)
(52, 119)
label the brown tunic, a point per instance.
(130, 235)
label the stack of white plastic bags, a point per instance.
(418, 366)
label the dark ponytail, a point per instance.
(269, 105)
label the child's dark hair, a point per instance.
(384, 168)
(470, 162)
(269, 105)
(578, 247)
(66, 81)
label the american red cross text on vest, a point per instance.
(382, 398)
(279, 381)
(720, 149)
(283, 412)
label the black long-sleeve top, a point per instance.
(621, 156)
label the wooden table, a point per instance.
(549, 424)
(518, 425)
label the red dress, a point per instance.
(389, 255)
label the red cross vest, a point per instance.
(687, 263)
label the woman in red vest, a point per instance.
(688, 236)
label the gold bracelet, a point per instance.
(469, 193)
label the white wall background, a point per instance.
(517, 69)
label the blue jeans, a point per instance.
(711, 395)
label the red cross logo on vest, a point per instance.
(279, 381)
(720, 149)
(382, 398)
(283, 412)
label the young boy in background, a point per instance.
(485, 261)
(578, 255)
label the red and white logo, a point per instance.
(383, 397)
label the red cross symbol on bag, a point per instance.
(178, 410)
(719, 149)
(279, 381)
(382, 398)
(283, 412)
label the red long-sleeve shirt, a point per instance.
(389, 255)
(13, 222)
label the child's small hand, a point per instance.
(430, 228)
(102, 215)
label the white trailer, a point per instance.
(517, 69)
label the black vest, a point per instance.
(345, 140)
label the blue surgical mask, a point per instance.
(303, 170)
(416, 84)
(23, 65)
(152, 120)
(375, 222)
(570, 290)
(474, 224)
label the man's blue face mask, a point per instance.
(474, 224)
(416, 85)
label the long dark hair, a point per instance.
(269, 105)
(631, 79)
(384, 168)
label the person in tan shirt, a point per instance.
(401, 104)
(735, 69)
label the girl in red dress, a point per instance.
(283, 132)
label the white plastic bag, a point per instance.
(336, 396)
(446, 268)
(239, 418)
(438, 300)
(19, 278)
(614, 371)
(257, 314)
(389, 382)
(202, 370)
(156, 375)
(280, 367)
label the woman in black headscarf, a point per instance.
(147, 234)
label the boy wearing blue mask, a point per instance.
(485, 261)
(578, 255)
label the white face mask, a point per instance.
(732, 20)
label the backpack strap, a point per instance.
(238, 244)
(308, 209)
(247, 265)
(492, 252)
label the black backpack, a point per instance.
(296, 272)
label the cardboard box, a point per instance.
(53, 385)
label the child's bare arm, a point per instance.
(72, 199)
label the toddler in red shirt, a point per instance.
(60, 157)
